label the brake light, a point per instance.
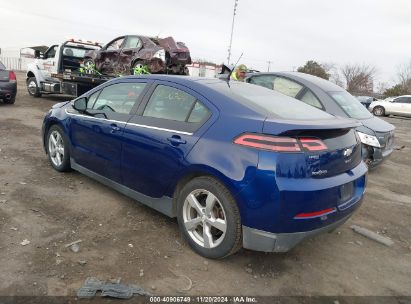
(265, 142)
(313, 144)
(280, 143)
(12, 75)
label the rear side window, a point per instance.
(132, 42)
(263, 81)
(119, 97)
(2, 67)
(287, 87)
(309, 98)
(272, 102)
(173, 104)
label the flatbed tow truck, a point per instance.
(59, 70)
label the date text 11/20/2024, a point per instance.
(202, 299)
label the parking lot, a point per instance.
(121, 239)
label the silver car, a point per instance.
(400, 105)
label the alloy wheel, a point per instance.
(204, 218)
(56, 148)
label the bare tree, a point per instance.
(359, 78)
(332, 70)
(404, 77)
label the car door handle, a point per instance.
(176, 140)
(114, 128)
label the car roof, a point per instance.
(306, 79)
(220, 92)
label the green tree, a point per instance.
(396, 90)
(314, 68)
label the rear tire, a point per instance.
(11, 100)
(378, 111)
(208, 218)
(58, 149)
(33, 87)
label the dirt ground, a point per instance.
(123, 239)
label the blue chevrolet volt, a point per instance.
(239, 165)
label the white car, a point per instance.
(400, 105)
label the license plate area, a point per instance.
(346, 192)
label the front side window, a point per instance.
(51, 53)
(350, 105)
(309, 98)
(118, 98)
(115, 45)
(170, 103)
(286, 86)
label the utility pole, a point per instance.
(269, 62)
(232, 31)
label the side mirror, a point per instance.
(80, 104)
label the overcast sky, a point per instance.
(287, 33)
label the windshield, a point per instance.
(272, 102)
(2, 67)
(350, 105)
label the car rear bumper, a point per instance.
(8, 89)
(259, 240)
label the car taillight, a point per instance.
(313, 144)
(12, 75)
(280, 144)
(266, 142)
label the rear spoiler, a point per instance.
(277, 126)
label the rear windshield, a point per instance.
(350, 105)
(273, 102)
(2, 67)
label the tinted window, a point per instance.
(169, 103)
(350, 105)
(287, 87)
(401, 100)
(199, 113)
(119, 98)
(92, 99)
(309, 98)
(2, 67)
(264, 81)
(51, 52)
(271, 101)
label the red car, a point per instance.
(123, 54)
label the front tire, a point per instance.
(58, 149)
(378, 111)
(209, 219)
(33, 87)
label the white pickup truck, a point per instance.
(57, 71)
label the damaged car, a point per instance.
(123, 55)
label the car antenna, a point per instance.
(229, 75)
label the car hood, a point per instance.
(377, 124)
